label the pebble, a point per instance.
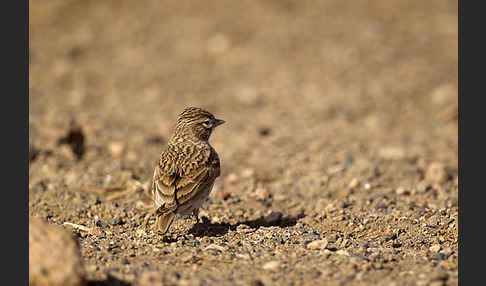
(436, 173)
(231, 178)
(273, 217)
(116, 221)
(186, 257)
(249, 96)
(381, 206)
(261, 193)
(218, 44)
(96, 201)
(247, 173)
(115, 148)
(439, 275)
(310, 237)
(272, 265)
(433, 221)
(214, 247)
(70, 178)
(447, 251)
(435, 248)
(131, 156)
(391, 153)
(444, 93)
(335, 169)
(354, 183)
(342, 252)
(243, 256)
(402, 191)
(257, 283)
(243, 228)
(318, 244)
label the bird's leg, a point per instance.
(196, 214)
(148, 216)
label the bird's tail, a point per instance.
(164, 221)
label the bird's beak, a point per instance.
(218, 122)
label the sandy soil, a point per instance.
(339, 155)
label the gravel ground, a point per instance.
(339, 155)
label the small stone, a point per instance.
(125, 261)
(272, 265)
(131, 156)
(99, 223)
(249, 96)
(433, 221)
(381, 206)
(318, 244)
(214, 247)
(342, 252)
(187, 257)
(435, 248)
(390, 236)
(396, 245)
(243, 228)
(344, 205)
(116, 148)
(367, 186)
(231, 178)
(402, 191)
(273, 217)
(243, 256)
(421, 283)
(354, 183)
(310, 237)
(436, 256)
(247, 173)
(71, 178)
(257, 283)
(264, 131)
(335, 169)
(447, 251)
(261, 193)
(445, 93)
(150, 278)
(155, 139)
(218, 44)
(436, 173)
(391, 153)
(439, 276)
(116, 221)
(96, 201)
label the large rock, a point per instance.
(54, 256)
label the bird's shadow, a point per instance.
(109, 281)
(208, 229)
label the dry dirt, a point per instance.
(339, 155)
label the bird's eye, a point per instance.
(207, 124)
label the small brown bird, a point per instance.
(187, 169)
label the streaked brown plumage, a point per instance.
(187, 169)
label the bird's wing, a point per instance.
(171, 189)
(163, 190)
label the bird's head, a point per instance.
(196, 123)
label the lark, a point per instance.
(187, 169)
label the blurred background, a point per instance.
(321, 73)
(314, 93)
